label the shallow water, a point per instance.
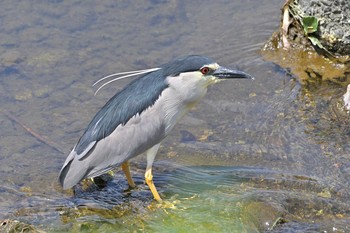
(250, 153)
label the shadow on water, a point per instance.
(252, 154)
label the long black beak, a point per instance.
(225, 73)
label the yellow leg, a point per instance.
(126, 169)
(149, 181)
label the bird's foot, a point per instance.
(164, 205)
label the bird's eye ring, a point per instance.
(205, 70)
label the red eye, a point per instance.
(205, 70)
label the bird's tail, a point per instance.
(72, 173)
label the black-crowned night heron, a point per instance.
(140, 116)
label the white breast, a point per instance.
(184, 92)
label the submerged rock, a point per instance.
(13, 226)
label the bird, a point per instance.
(137, 118)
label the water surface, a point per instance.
(252, 152)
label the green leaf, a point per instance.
(310, 24)
(315, 42)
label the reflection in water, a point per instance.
(281, 150)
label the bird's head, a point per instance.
(190, 76)
(201, 68)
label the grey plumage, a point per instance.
(140, 117)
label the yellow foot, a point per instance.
(111, 173)
(149, 182)
(164, 205)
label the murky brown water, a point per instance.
(253, 151)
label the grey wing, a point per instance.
(140, 133)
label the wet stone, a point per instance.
(335, 24)
(12, 226)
